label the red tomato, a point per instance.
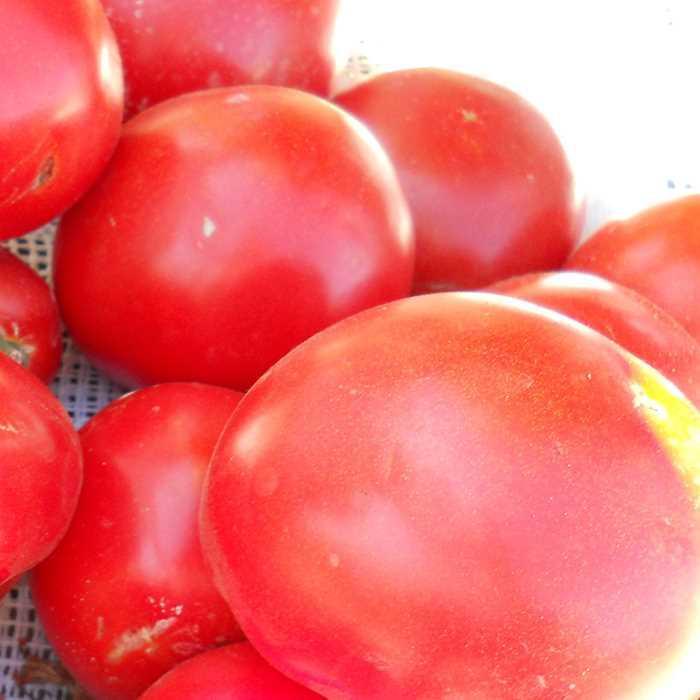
(170, 47)
(230, 226)
(30, 329)
(60, 107)
(656, 253)
(463, 495)
(41, 471)
(487, 180)
(127, 596)
(235, 672)
(623, 315)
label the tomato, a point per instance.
(656, 253)
(620, 313)
(60, 107)
(41, 470)
(234, 672)
(127, 595)
(463, 495)
(171, 47)
(30, 329)
(230, 226)
(487, 181)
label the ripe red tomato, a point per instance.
(230, 226)
(487, 181)
(234, 672)
(656, 253)
(463, 495)
(60, 107)
(171, 47)
(127, 596)
(41, 470)
(620, 313)
(30, 329)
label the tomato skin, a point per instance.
(487, 181)
(60, 107)
(171, 47)
(127, 594)
(30, 328)
(472, 520)
(230, 226)
(41, 471)
(621, 314)
(234, 672)
(656, 253)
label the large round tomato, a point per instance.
(620, 313)
(656, 253)
(230, 226)
(126, 596)
(30, 329)
(234, 672)
(60, 107)
(170, 47)
(40, 471)
(463, 495)
(487, 180)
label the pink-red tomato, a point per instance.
(170, 47)
(30, 328)
(127, 595)
(463, 495)
(656, 253)
(40, 471)
(60, 107)
(487, 181)
(234, 672)
(231, 225)
(623, 315)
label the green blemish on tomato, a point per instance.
(15, 350)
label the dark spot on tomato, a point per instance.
(45, 173)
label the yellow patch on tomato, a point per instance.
(672, 418)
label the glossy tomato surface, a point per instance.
(234, 672)
(30, 329)
(41, 470)
(127, 595)
(486, 178)
(656, 253)
(60, 107)
(620, 313)
(463, 495)
(170, 47)
(230, 226)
